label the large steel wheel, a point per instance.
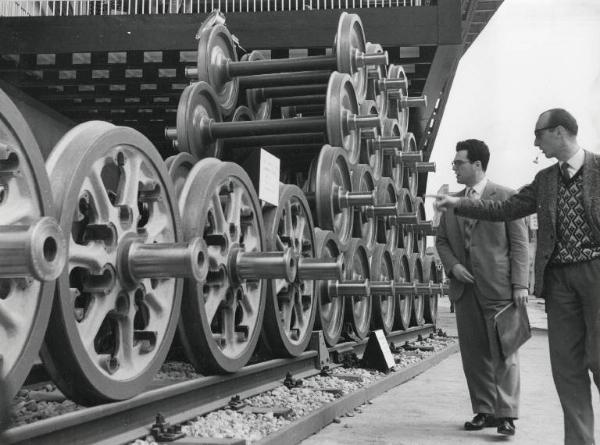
(25, 204)
(420, 239)
(108, 336)
(411, 177)
(291, 306)
(358, 311)
(406, 236)
(179, 167)
(331, 175)
(395, 111)
(387, 230)
(384, 306)
(391, 166)
(404, 302)
(364, 226)
(260, 109)
(222, 317)
(370, 154)
(375, 74)
(432, 275)
(416, 267)
(330, 310)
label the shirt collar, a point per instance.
(575, 161)
(479, 187)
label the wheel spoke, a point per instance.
(236, 203)
(213, 302)
(129, 185)
(219, 217)
(9, 320)
(159, 228)
(21, 213)
(100, 201)
(90, 325)
(92, 256)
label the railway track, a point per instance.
(123, 422)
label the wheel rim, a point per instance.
(350, 38)
(369, 153)
(394, 111)
(25, 198)
(221, 319)
(405, 234)
(390, 167)
(358, 312)
(291, 308)
(330, 314)
(215, 48)
(403, 302)
(363, 227)
(384, 307)
(374, 74)
(197, 103)
(416, 266)
(261, 110)
(108, 338)
(179, 167)
(332, 173)
(420, 240)
(430, 274)
(386, 227)
(411, 178)
(341, 101)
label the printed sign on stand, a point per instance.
(268, 185)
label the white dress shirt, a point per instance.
(575, 162)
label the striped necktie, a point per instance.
(469, 223)
(564, 169)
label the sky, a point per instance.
(533, 55)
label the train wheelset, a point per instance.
(108, 252)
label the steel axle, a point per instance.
(37, 251)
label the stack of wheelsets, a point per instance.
(141, 248)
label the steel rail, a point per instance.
(123, 422)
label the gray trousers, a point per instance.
(573, 304)
(494, 383)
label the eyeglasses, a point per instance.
(458, 162)
(538, 131)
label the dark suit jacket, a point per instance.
(498, 253)
(541, 196)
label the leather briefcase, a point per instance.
(512, 327)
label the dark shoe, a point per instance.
(506, 426)
(481, 421)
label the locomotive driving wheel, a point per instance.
(416, 266)
(291, 306)
(384, 306)
(222, 316)
(330, 310)
(358, 308)
(109, 333)
(404, 303)
(27, 273)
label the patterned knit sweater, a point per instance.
(573, 244)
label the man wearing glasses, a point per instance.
(487, 266)
(566, 197)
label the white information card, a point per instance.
(268, 184)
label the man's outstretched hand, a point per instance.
(444, 202)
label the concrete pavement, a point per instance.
(431, 408)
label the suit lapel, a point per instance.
(489, 192)
(552, 192)
(591, 185)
